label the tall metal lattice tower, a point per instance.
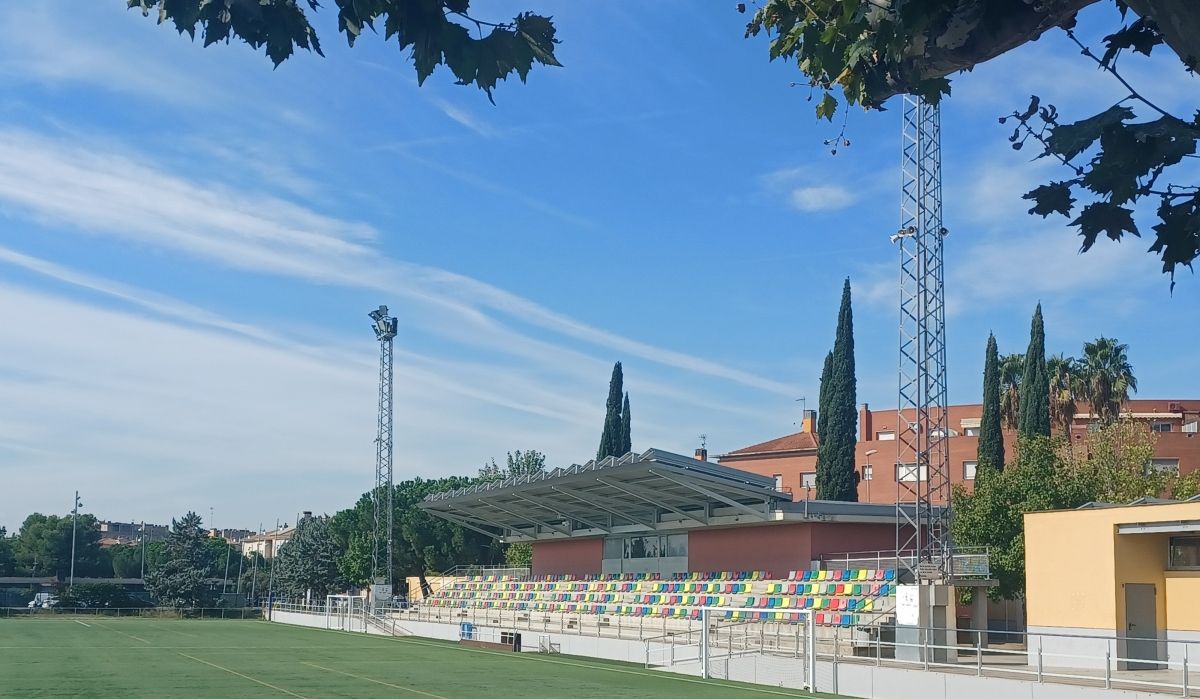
(922, 461)
(381, 550)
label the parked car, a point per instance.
(43, 600)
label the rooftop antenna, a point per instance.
(803, 401)
(704, 442)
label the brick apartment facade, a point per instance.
(792, 459)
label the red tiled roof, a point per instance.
(792, 442)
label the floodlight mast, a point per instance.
(922, 461)
(381, 550)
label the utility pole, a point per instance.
(142, 536)
(381, 556)
(74, 516)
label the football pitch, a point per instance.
(161, 658)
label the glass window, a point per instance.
(1160, 427)
(677, 545)
(808, 480)
(969, 470)
(972, 431)
(868, 472)
(885, 436)
(613, 548)
(779, 482)
(1192, 427)
(908, 472)
(1167, 465)
(1185, 552)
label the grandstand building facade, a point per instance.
(666, 515)
(791, 461)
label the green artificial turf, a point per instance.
(161, 658)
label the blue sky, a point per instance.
(192, 241)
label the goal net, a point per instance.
(345, 613)
(734, 643)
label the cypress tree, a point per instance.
(626, 432)
(1033, 416)
(837, 477)
(991, 440)
(823, 400)
(610, 438)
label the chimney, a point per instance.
(808, 422)
(866, 431)
(702, 454)
(307, 514)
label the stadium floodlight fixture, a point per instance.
(385, 327)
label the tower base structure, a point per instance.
(926, 625)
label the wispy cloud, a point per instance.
(821, 198)
(105, 192)
(798, 188)
(36, 49)
(464, 118)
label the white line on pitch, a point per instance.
(80, 622)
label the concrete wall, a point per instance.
(575, 557)
(1183, 600)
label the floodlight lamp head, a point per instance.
(379, 313)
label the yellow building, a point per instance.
(1122, 580)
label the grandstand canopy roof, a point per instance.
(652, 491)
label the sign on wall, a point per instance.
(908, 605)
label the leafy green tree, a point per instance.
(519, 555)
(308, 563)
(1011, 366)
(1107, 378)
(8, 561)
(438, 32)
(179, 579)
(43, 547)
(1115, 462)
(991, 439)
(422, 543)
(97, 596)
(1186, 486)
(1064, 391)
(126, 560)
(612, 438)
(837, 477)
(1033, 420)
(991, 515)
(873, 51)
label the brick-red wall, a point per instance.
(778, 548)
(575, 557)
(828, 537)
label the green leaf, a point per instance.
(1051, 198)
(827, 107)
(1141, 36)
(1069, 140)
(1103, 217)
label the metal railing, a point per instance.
(1039, 657)
(966, 562)
(463, 571)
(145, 612)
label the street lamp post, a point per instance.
(868, 474)
(74, 516)
(142, 536)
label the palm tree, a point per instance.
(1107, 378)
(1011, 366)
(1065, 389)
